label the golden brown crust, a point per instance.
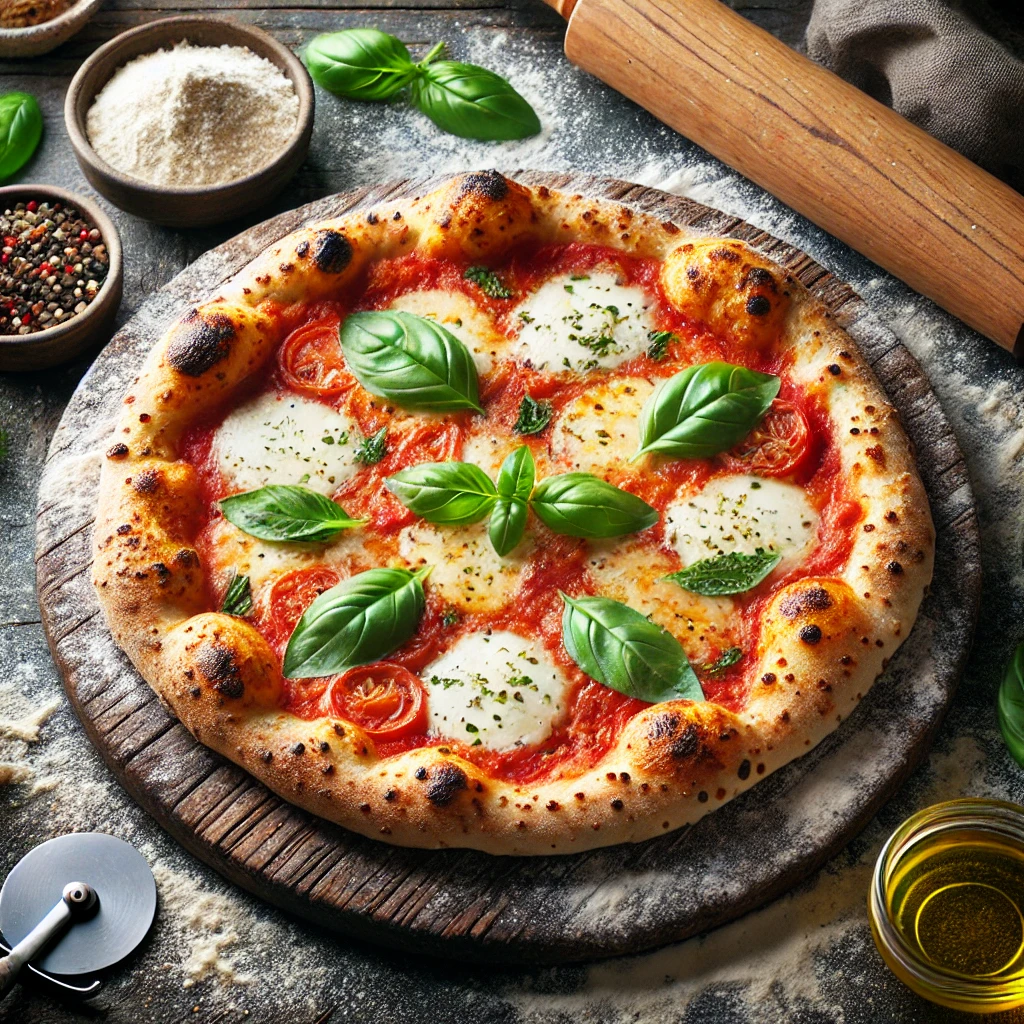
(822, 644)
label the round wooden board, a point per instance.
(461, 903)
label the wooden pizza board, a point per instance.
(461, 903)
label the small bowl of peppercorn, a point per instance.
(60, 276)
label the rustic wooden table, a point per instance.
(218, 956)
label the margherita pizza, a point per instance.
(507, 519)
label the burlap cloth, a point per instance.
(934, 62)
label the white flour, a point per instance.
(193, 115)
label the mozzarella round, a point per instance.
(599, 430)
(457, 313)
(742, 513)
(498, 690)
(284, 439)
(583, 324)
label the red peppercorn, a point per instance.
(68, 269)
(25, 318)
(32, 206)
(5, 257)
(10, 240)
(83, 234)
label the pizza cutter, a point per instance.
(71, 908)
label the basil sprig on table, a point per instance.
(238, 597)
(360, 63)
(617, 646)
(410, 360)
(583, 505)
(515, 485)
(449, 493)
(704, 410)
(729, 573)
(1010, 706)
(362, 619)
(463, 99)
(287, 512)
(21, 128)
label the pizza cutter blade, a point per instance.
(74, 906)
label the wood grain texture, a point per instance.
(856, 168)
(463, 903)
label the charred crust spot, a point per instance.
(662, 725)
(693, 273)
(266, 756)
(702, 797)
(869, 527)
(286, 268)
(724, 255)
(810, 634)
(447, 781)
(324, 746)
(815, 599)
(398, 215)
(486, 184)
(328, 769)
(420, 773)
(372, 218)
(624, 777)
(758, 305)
(146, 482)
(553, 805)
(824, 685)
(204, 340)
(195, 692)
(144, 417)
(365, 808)
(298, 748)
(768, 678)
(580, 796)
(617, 804)
(217, 663)
(163, 574)
(118, 451)
(332, 252)
(123, 529)
(390, 795)
(891, 517)
(877, 453)
(302, 249)
(835, 369)
(895, 568)
(186, 558)
(744, 769)
(688, 742)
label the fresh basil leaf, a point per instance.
(359, 63)
(617, 646)
(287, 512)
(362, 619)
(704, 410)
(725, 660)
(488, 282)
(727, 573)
(534, 416)
(658, 344)
(1010, 706)
(238, 599)
(410, 360)
(21, 128)
(452, 493)
(583, 505)
(515, 485)
(472, 102)
(373, 448)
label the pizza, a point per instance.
(509, 519)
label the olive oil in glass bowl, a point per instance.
(946, 904)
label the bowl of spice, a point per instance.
(60, 275)
(190, 120)
(29, 28)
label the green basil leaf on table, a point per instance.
(238, 598)
(21, 128)
(360, 63)
(515, 485)
(452, 493)
(725, 660)
(488, 282)
(472, 102)
(583, 505)
(362, 619)
(618, 647)
(410, 360)
(1010, 706)
(373, 448)
(287, 512)
(533, 417)
(704, 410)
(728, 573)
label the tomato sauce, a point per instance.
(309, 363)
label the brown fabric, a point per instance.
(932, 62)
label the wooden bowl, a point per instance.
(71, 338)
(173, 206)
(38, 39)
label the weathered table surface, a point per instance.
(216, 955)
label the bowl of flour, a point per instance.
(190, 121)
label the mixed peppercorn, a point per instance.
(52, 265)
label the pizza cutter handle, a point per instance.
(856, 168)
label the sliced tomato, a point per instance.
(292, 593)
(386, 700)
(311, 359)
(777, 445)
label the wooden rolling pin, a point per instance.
(866, 175)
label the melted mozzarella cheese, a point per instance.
(468, 573)
(283, 439)
(742, 513)
(496, 689)
(599, 430)
(583, 324)
(457, 314)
